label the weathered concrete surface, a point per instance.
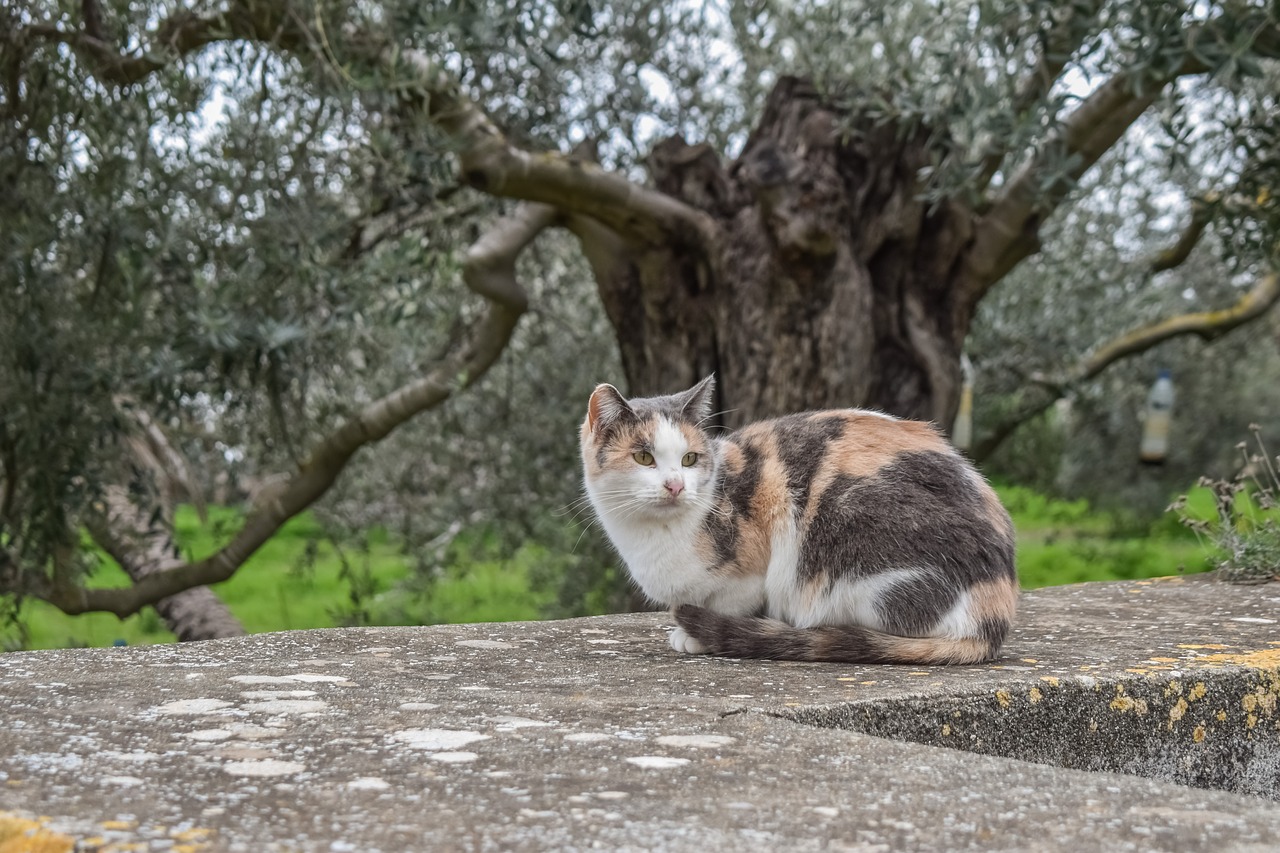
(590, 733)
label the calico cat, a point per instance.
(843, 535)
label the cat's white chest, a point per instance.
(662, 558)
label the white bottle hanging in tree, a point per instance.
(1156, 420)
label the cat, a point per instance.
(844, 535)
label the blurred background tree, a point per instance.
(244, 241)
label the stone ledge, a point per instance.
(592, 733)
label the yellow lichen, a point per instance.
(1030, 660)
(1197, 692)
(1260, 659)
(1197, 734)
(1050, 680)
(1035, 695)
(1121, 703)
(1178, 710)
(946, 729)
(20, 835)
(1173, 688)
(1093, 725)
(195, 835)
(1003, 698)
(1221, 716)
(1217, 646)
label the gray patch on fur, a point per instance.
(914, 606)
(802, 446)
(921, 510)
(740, 488)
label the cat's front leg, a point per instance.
(737, 597)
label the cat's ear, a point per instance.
(699, 400)
(606, 408)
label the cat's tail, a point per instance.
(757, 637)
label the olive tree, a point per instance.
(812, 200)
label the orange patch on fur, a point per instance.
(869, 443)
(935, 651)
(996, 512)
(618, 455)
(996, 600)
(768, 503)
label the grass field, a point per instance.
(301, 580)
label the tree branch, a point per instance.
(139, 533)
(489, 161)
(1061, 41)
(491, 164)
(181, 33)
(1008, 232)
(1175, 254)
(145, 548)
(1206, 324)
(490, 272)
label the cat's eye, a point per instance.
(644, 457)
(689, 460)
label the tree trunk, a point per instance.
(831, 282)
(143, 547)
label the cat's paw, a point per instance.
(685, 644)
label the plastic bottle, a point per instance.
(1156, 419)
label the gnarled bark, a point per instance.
(143, 546)
(830, 281)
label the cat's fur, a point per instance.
(841, 535)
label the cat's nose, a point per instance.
(674, 486)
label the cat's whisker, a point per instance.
(578, 541)
(715, 415)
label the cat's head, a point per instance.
(649, 457)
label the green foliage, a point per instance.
(1033, 510)
(1242, 524)
(1062, 542)
(249, 248)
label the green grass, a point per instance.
(1062, 542)
(298, 580)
